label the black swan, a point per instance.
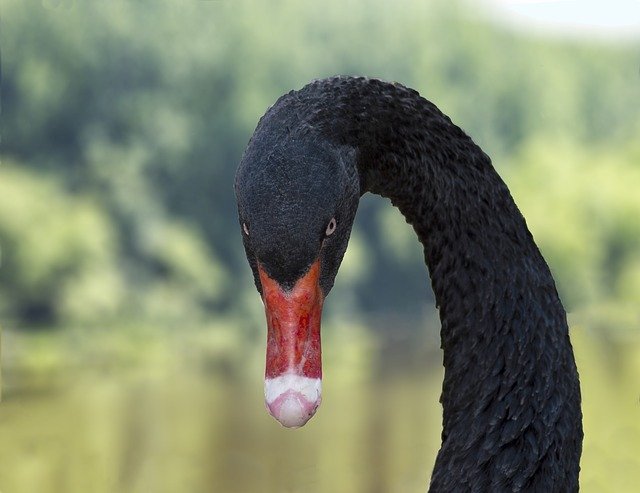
(511, 396)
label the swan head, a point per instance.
(296, 205)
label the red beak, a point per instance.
(293, 373)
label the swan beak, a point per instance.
(293, 376)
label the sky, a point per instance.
(614, 19)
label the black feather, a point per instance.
(511, 396)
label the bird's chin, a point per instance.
(292, 399)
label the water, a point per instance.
(193, 427)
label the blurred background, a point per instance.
(133, 337)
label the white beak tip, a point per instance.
(292, 399)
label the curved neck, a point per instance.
(511, 398)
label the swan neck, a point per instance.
(511, 397)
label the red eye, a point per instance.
(331, 227)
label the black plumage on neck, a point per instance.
(511, 396)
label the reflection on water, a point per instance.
(191, 428)
(192, 432)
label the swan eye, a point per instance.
(331, 227)
(245, 229)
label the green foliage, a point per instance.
(56, 247)
(61, 260)
(138, 112)
(583, 208)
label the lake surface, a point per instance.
(192, 424)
